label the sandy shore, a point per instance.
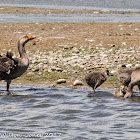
(27, 10)
(72, 50)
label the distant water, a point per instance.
(65, 113)
(120, 5)
(125, 5)
(37, 18)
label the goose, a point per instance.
(11, 68)
(135, 80)
(120, 92)
(95, 79)
(124, 77)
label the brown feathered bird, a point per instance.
(124, 77)
(95, 79)
(135, 80)
(11, 68)
(120, 92)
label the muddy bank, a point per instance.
(30, 10)
(71, 50)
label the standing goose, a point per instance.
(95, 79)
(11, 68)
(124, 77)
(135, 80)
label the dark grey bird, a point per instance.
(95, 79)
(135, 80)
(11, 68)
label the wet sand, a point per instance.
(29, 10)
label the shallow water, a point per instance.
(65, 113)
(31, 18)
(123, 5)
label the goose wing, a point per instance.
(6, 64)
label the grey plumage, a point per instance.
(120, 92)
(124, 77)
(135, 80)
(11, 68)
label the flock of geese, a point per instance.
(11, 68)
(128, 79)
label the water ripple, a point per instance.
(68, 112)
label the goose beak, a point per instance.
(31, 37)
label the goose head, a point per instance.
(24, 39)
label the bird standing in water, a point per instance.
(135, 80)
(11, 68)
(124, 77)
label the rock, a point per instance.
(113, 71)
(56, 69)
(129, 34)
(77, 82)
(129, 65)
(68, 47)
(113, 45)
(35, 70)
(75, 50)
(137, 57)
(124, 43)
(60, 81)
(137, 65)
(123, 66)
(59, 69)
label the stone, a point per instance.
(77, 82)
(113, 45)
(129, 65)
(75, 50)
(56, 69)
(114, 71)
(35, 70)
(137, 65)
(137, 57)
(60, 81)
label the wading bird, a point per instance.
(135, 80)
(11, 68)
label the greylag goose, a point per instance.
(135, 80)
(95, 79)
(120, 92)
(11, 68)
(124, 77)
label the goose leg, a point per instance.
(8, 85)
(139, 87)
(95, 86)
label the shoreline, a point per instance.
(31, 10)
(72, 50)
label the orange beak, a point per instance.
(31, 37)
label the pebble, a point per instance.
(60, 81)
(77, 82)
(129, 65)
(75, 60)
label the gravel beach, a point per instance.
(69, 51)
